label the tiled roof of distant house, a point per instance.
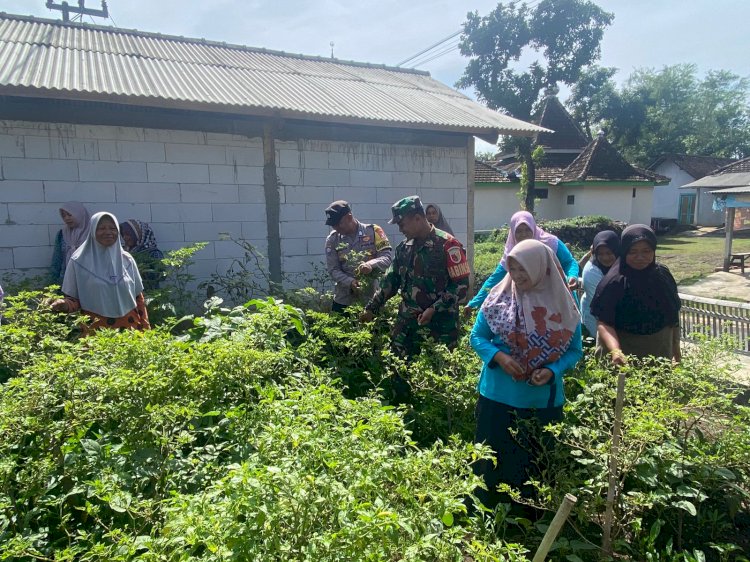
(600, 161)
(696, 166)
(739, 166)
(485, 173)
(567, 134)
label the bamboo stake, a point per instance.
(554, 528)
(609, 511)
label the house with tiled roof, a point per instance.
(692, 205)
(576, 176)
(208, 141)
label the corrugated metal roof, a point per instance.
(736, 179)
(742, 189)
(59, 60)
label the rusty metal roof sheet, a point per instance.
(52, 59)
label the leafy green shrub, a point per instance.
(102, 439)
(31, 330)
(329, 479)
(579, 232)
(173, 296)
(264, 432)
(684, 459)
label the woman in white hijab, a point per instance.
(102, 280)
(77, 220)
(528, 334)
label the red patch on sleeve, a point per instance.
(455, 257)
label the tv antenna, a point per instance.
(81, 9)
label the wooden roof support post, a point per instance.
(273, 205)
(470, 208)
(729, 229)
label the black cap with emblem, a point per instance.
(337, 211)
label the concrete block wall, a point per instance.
(190, 186)
(371, 176)
(195, 187)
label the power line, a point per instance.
(444, 50)
(423, 51)
(436, 55)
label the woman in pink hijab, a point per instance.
(77, 220)
(524, 227)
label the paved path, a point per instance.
(725, 286)
(721, 285)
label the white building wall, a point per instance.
(205, 187)
(550, 208)
(642, 204)
(667, 197)
(615, 202)
(494, 206)
(371, 176)
(704, 212)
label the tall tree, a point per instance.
(670, 110)
(591, 96)
(563, 36)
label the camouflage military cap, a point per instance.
(405, 206)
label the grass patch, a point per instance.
(690, 256)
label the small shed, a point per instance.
(209, 141)
(686, 206)
(730, 187)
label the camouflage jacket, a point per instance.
(369, 245)
(432, 272)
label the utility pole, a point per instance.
(81, 10)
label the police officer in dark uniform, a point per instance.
(356, 254)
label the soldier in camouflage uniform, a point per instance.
(356, 253)
(431, 272)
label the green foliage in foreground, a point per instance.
(264, 432)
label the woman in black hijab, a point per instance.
(604, 252)
(636, 303)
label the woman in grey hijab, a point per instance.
(102, 281)
(436, 218)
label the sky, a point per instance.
(645, 33)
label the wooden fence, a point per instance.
(714, 318)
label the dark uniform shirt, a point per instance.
(368, 244)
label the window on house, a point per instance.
(571, 200)
(542, 193)
(633, 193)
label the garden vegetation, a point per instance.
(265, 431)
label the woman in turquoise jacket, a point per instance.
(528, 334)
(524, 227)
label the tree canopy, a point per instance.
(671, 110)
(562, 36)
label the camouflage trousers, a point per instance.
(407, 336)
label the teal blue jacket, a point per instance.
(497, 385)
